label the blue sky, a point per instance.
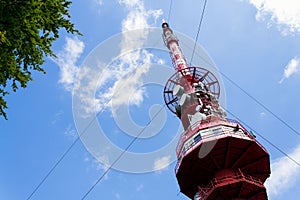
(254, 42)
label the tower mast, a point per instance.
(218, 159)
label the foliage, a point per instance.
(27, 30)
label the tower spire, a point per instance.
(171, 42)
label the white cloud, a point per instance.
(292, 67)
(86, 158)
(131, 3)
(126, 89)
(57, 117)
(160, 62)
(117, 195)
(70, 132)
(121, 80)
(284, 174)
(134, 65)
(99, 2)
(161, 163)
(67, 60)
(139, 187)
(138, 16)
(101, 164)
(262, 114)
(126, 73)
(285, 14)
(84, 89)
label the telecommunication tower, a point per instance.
(218, 159)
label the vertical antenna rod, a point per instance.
(171, 42)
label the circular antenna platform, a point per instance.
(180, 80)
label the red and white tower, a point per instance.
(218, 159)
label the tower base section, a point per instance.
(230, 185)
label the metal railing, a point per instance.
(185, 147)
(210, 124)
(194, 128)
(230, 179)
(198, 127)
